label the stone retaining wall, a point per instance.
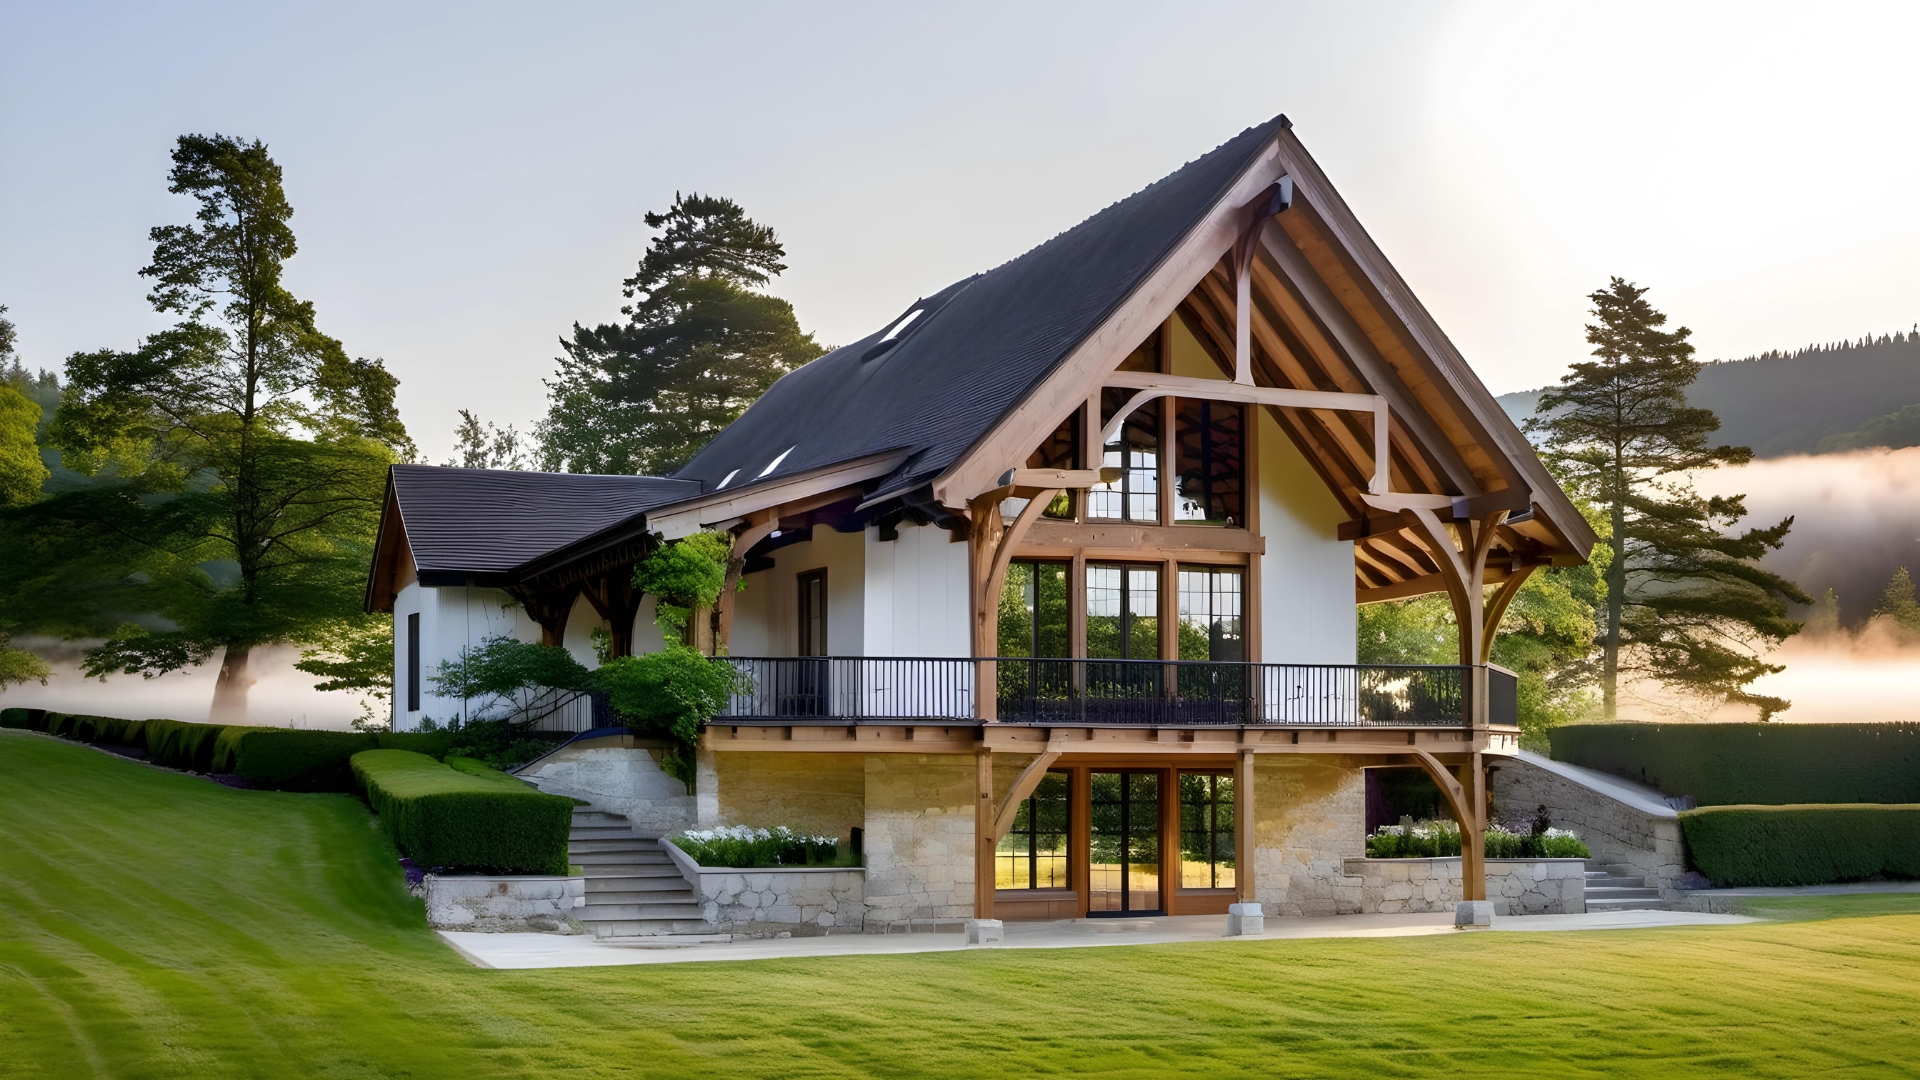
(1616, 832)
(1516, 886)
(502, 904)
(765, 901)
(618, 775)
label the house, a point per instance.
(1051, 580)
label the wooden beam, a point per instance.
(1245, 887)
(760, 525)
(1497, 608)
(1023, 786)
(984, 841)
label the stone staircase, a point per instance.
(634, 889)
(1612, 887)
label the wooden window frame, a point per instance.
(803, 611)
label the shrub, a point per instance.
(290, 760)
(742, 846)
(24, 719)
(1441, 839)
(180, 745)
(484, 771)
(440, 816)
(434, 744)
(1725, 764)
(670, 693)
(1802, 844)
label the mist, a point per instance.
(283, 696)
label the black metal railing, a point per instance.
(1097, 692)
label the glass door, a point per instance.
(1124, 828)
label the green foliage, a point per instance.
(284, 759)
(177, 744)
(1896, 430)
(502, 668)
(1687, 603)
(21, 719)
(21, 471)
(442, 817)
(683, 576)
(699, 346)
(1721, 764)
(475, 767)
(355, 655)
(480, 445)
(1441, 840)
(18, 666)
(671, 693)
(234, 462)
(1802, 844)
(498, 744)
(745, 847)
(1898, 606)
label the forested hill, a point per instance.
(1846, 395)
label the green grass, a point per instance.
(156, 925)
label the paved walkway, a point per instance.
(558, 950)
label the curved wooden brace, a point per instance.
(1023, 786)
(763, 523)
(1003, 553)
(1449, 786)
(1497, 607)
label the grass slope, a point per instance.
(154, 925)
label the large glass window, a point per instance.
(1135, 451)
(1123, 612)
(1033, 610)
(1124, 870)
(1206, 830)
(1033, 854)
(1210, 613)
(1209, 459)
(1060, 451)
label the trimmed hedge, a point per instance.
(24, 719)
(440, 816)
(1728, 764)
(1803, 845)
(289, 759)
(181, 745)
(476, 767)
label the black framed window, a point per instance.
(1033, 854)
(1136, 452)
(1123, 872)
(413, 662)
(1206, 830)
(1211, 606)
(1123, 611)
(1209, 463)
(812, 609)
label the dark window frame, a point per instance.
(413, 662)
(804, 608)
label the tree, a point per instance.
(485, 446)
(1686, 602)
(239, 456)
(699, 346)
(1898, 606)
(21, 471)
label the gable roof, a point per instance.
(979, 347)
(476, 526)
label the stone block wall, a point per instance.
(1310, 817)
(1614, 831)
(919, 837)
(617, 775)
(824, 794)
(502, 904)
(1516, 886)
(799, 901)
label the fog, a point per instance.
(282, 697)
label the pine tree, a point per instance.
(1897, 603)
(480, 445)
(1686, 602)
(699, 346)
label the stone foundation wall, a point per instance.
(502, 904)
(919, 837)
(761, 903)
(619, 776)
(1310, 817)
(1516, 886)
(1614, 831)
(816, 793)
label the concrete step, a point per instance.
(598, 887)
(660, 931)
(611, 829)
(1625, 892)
(597, 913)
(621, 857)
(585, 844)
(643, 898)
(613, 877)
(1596, 905)
(1611, 881)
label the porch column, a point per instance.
(1243, 806)
(983, 841)
(1473, 828)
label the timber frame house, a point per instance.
(1085, 534)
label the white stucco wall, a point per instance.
(1306, 576)
(578, 638)
(766, 615)
(452, 618)
(916, 594)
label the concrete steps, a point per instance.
(1616, 887)
(634, 890)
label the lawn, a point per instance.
(156, 925)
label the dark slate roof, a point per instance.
(489, 521)
(981, 346)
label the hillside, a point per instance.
(1788, 403)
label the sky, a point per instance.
(470, 180)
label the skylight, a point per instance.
(728, 480)
(775, 463)
(901, 326)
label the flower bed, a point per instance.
(744, 847)
(1441, 839)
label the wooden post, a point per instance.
(1244, 887)
(1473, 858)
(761, 527)
(984, 844)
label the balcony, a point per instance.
(1074, 692)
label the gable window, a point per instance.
(812, 609)
(1209, 463)
(1136, 451)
